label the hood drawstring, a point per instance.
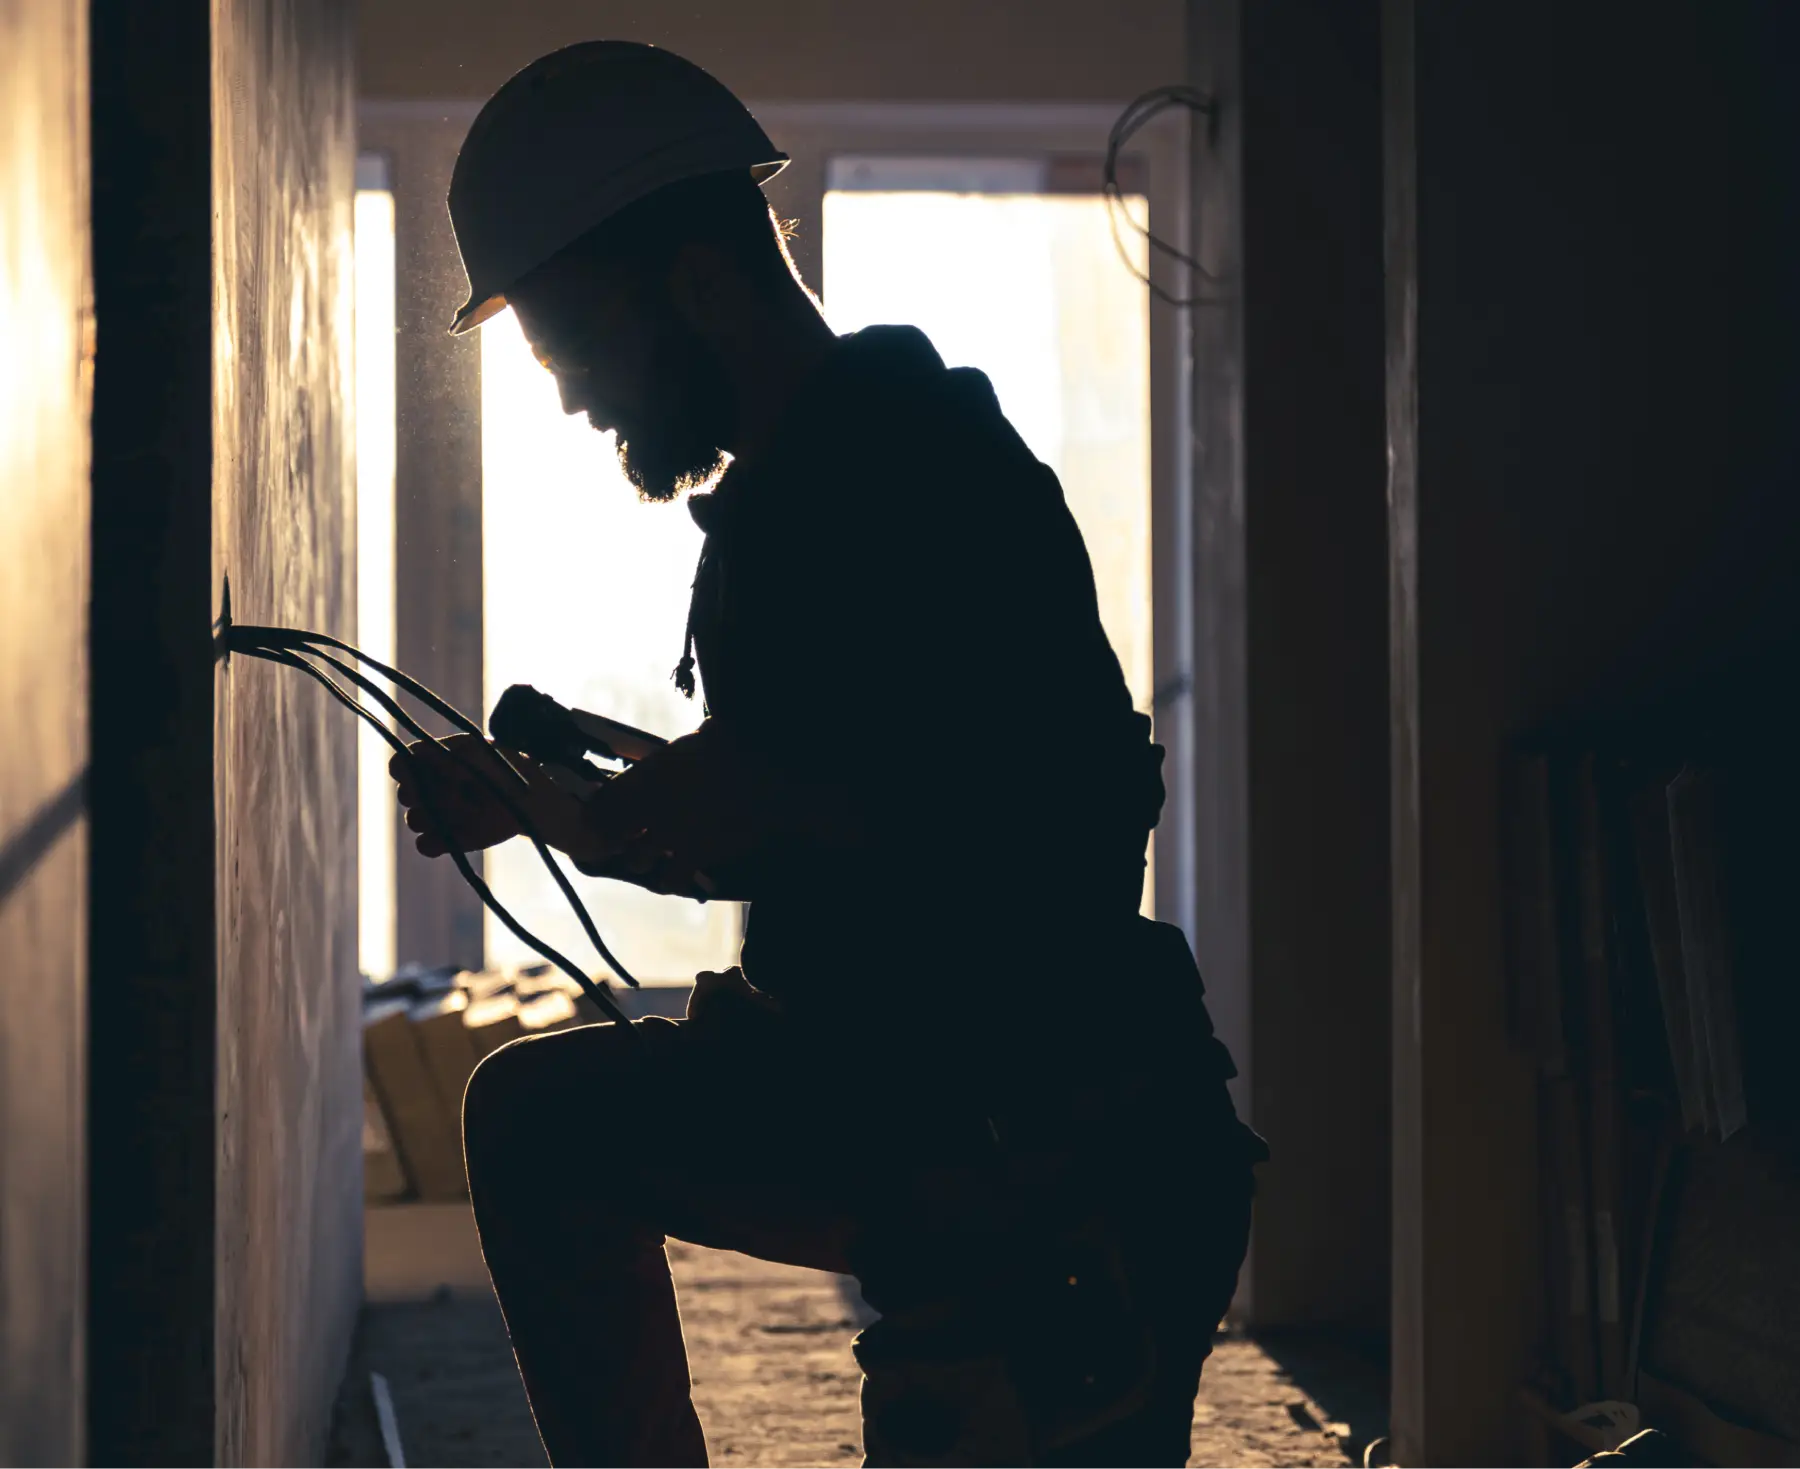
(701, 508)
(684, 670)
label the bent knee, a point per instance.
(493, 1089)
(538, 1080)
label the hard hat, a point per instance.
(573, 139)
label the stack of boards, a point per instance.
(423, 1033)
(1650, 918)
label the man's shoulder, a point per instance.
(904, 457)
(889, 385)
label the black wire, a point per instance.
(282, 644)
(1130, 121)
(526, 826)
(240, 634)
(249, 635)
(1136, 115)
(594, 992)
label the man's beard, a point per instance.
(660, 467)
(680, 451)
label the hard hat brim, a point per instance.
(476, 310)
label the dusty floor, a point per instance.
(773, 1377)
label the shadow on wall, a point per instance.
(39, 833)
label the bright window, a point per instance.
(586, 599)
(376, 820)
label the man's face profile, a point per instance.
(623, 355)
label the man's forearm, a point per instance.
(707, 802)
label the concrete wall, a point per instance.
(289, 1152)
(46, 326)
(151, 1042)
(1591, 339)
(225, 1104)
(1290, 644)
(921, 50)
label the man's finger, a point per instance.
(419, 819)
(672, 877)
(416, 756)
(642, 858)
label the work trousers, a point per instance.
(733, 1130)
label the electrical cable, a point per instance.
(239, 634)
(1138, 113)
(608, 1006)
(597, 993)
(293, 647)
(485, 893)
(526, 828)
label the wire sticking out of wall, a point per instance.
(1140, 111)
(308, 652)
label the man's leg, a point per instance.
(1191, 1280)
(573, 1208)
(1179, 1196)
(576, 1262)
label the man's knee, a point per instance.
(494, 1091)
(537, 1087)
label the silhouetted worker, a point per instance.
(955, 1062)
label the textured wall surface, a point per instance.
(151, 941)
(822, 50)
(44, 325)
(289, 1159)
(224, 1103)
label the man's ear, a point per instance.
(703, 279)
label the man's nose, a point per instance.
(573, 389)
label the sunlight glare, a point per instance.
(377, 825)
(586, 592)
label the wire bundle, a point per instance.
(1134, 117)
(306, 651)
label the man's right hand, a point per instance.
(472, 815)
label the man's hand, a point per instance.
(675, 816)
(472, 814)
(702, 807)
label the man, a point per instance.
(953, 1062)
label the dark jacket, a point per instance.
(895, 593)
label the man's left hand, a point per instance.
(689, 809)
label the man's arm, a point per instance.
(706, 806)
(448, 792)
(702, 804)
